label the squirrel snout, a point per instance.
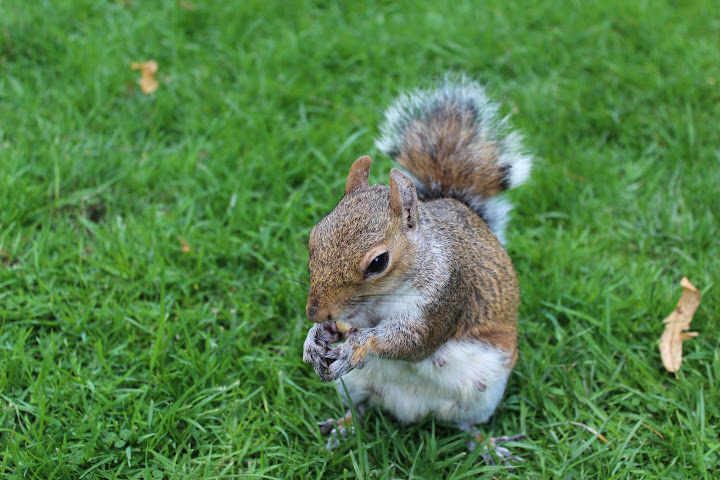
(315, 313)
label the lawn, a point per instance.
(152, 246)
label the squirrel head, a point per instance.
(365, 247)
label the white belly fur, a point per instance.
(452, 392)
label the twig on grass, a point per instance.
(591, 430)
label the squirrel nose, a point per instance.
(314, 312)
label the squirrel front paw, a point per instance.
(332, 363)
(318, 346)
(347, 356)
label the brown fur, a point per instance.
(443, 151)
(480, 301)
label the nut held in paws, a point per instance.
(343, 327)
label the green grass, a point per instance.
(123, 356)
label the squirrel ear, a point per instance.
(359, 176)
(403, 198)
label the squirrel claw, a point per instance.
(337, 430)
(327, 426)
(317, 349)
(494, 446)
(340, 366)
(334, 431)
(328, 362)
(336, 434)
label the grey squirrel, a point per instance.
(414, 276)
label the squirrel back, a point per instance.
(451, 140)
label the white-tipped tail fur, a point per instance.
(453, 142)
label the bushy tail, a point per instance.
(452, 141)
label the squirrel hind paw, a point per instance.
(494, 447)
(337, 431)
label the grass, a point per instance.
(150, 322)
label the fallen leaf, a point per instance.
(185, 247)
(148, 83)
(676, 325)
(189, 6)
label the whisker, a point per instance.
(302, 241)
(299, 282)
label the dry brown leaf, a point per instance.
(148, 83)
(675, 326)
(185, 247)
(189, 6)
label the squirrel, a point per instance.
(414, 276)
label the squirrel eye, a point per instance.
(378, 263)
